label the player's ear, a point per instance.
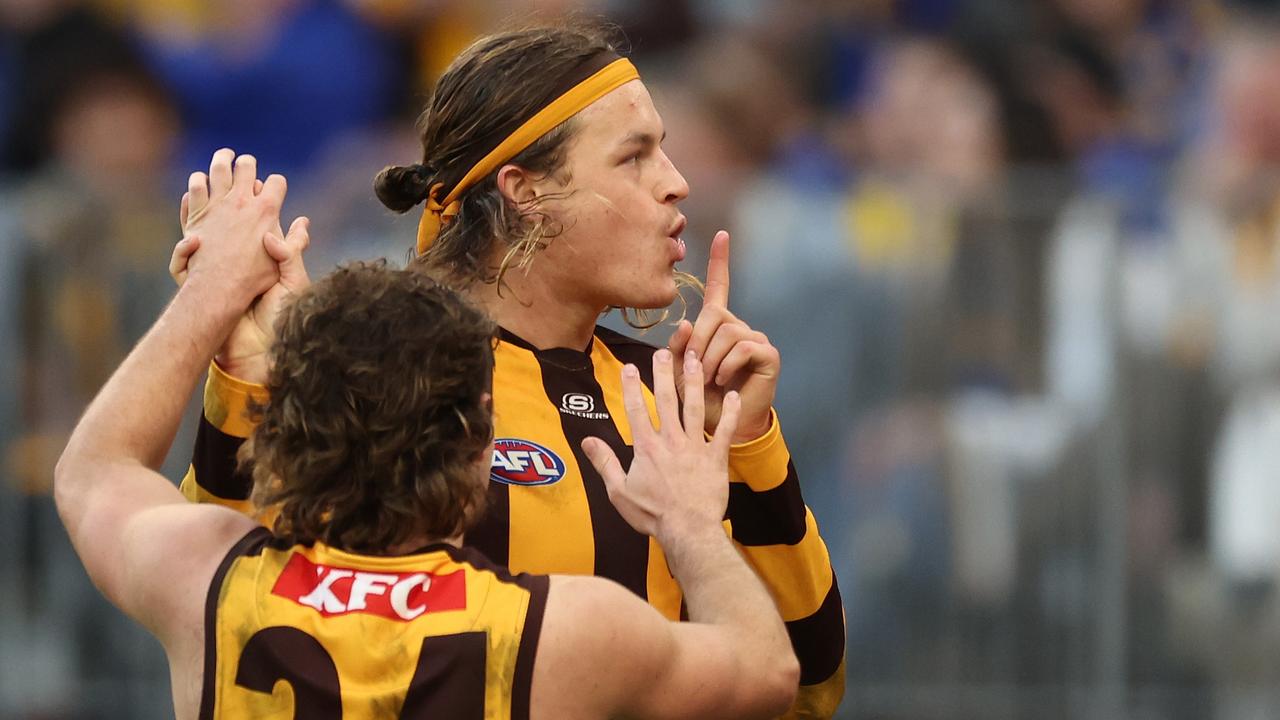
(517, 185)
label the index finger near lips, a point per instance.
(715, 301)
(717, 287)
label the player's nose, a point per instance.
(673, 188)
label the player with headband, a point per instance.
(374, 456)
(549, 200)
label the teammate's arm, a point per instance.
(734, 658)
(118, 511)
(769, 520)
(240, 365)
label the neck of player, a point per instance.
(533, 309)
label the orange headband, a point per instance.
(440, 212)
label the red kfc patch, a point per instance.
(331, 590)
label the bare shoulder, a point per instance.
(593, 610)
(171, 553)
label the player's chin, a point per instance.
(658, 295)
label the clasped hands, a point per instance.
(232, 237)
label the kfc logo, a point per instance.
(332, 590)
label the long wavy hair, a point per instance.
(378, 430)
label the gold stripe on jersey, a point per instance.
(761, 463)
(820, 700)
(608, 373)
(227, 399)
(566, 547)
(226, 405)
(377, 658)
(799, 576)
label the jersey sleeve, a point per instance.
(224, 425)
(779, 537)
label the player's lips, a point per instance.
(677, 244)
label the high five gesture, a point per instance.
(244, 354)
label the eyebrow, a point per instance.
(643, 138)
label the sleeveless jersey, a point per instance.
(296, 631)
(549, 511)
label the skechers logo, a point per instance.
(580, 405)
(520, 462)
(332, 590)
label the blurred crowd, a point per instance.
(1021, 257)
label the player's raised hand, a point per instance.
(244, 354)
(678, 480)
(232, 225)
(734, 357)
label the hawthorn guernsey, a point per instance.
(549, 511)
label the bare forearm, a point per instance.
(135, 415)
(721, 589)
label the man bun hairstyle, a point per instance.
(484, 95)
(400, 188)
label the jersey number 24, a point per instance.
(444, 685)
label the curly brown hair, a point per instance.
(378, 429)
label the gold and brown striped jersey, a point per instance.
(440, 633)
(549, 511)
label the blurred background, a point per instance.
(1021, 257)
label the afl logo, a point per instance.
(520, 462)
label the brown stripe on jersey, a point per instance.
(522, 684)
(251, 544)
(507, 336)
(622, 554)
(472, 556)
(819, 639)
(537, 585)
(491, 534)
(214, 462)
(771, 517)
(450, 678)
